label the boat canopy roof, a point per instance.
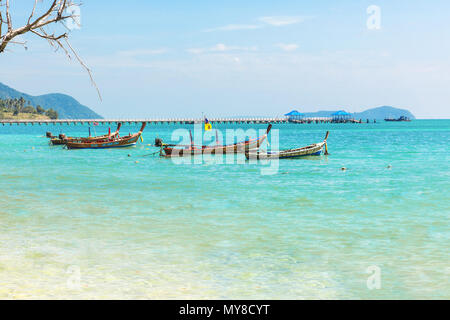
(341, 113)
(294, 113)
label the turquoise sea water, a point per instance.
(96, 224)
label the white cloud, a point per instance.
(275, 21)
(196, 50)
(141, 52)
(233, 27)
(279, 21)
(288, 46)
(220, 47)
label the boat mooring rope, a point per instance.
(150, 154)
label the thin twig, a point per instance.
(85, 67)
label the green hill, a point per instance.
(66, 106)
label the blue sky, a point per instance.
(160, 59)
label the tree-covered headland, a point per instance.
(19, 108)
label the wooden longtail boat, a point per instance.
(311, 150)
(117, 142)
(62, 139)
(191, 150)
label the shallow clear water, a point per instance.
(96, 224)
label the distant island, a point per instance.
(377, 113)
(65, 106)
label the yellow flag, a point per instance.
(207, 125)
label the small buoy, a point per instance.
(389, 166)
(129, 155)
(343, 168)
(136, 162)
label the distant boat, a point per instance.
(402, 118)
(311, 150)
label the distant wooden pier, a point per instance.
(169, 121)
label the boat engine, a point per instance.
(158, 142)
(48, 134)
(62, 136)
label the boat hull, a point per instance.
(311, 150)
(237, 148)
(119, 143)
(100, 146)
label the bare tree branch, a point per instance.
(1, 21)
(49, 37)
(56, 14)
